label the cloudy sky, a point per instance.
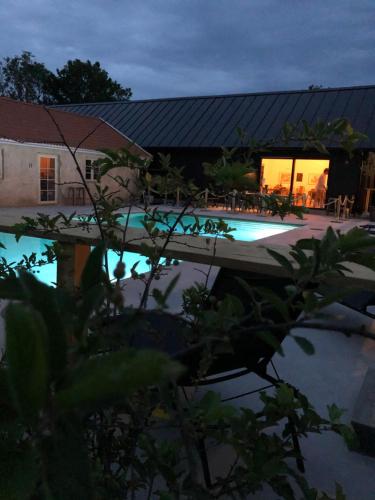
(164, 48)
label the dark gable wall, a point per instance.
(190, 158)
(344, 174)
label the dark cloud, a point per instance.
(185, 47)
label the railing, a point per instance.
(343, 206)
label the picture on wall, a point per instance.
(299, 177)
(285, 178)
(313, 179)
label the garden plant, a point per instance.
(86, 414)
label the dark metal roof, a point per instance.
(211, 121)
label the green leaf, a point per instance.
(111, 377)
(305, 345)
(282, 260)
(340, 495)
(274, 300)
(66, 462)
(163, 495)
(284, 395)
(44, 299)
(349, 436)
(161, 298)
(271, 340)
(11, 289)
(91, 300)
(245, 285)
(27, 358)
(213, 409)
(18, 472)
(335, 413)
(8, 413)
(93, 271)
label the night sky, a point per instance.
(165, 48)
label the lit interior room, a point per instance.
(306, 179)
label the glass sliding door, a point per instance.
(310, 182)
(47, 179)
(276, 175)
(305, 179)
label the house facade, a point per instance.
(193, 130)
(36, 167)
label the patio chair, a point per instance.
(169, 334)
(363, 299)
(311, 198)
(256, 202)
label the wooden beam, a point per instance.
(70, 264)
(238, 255)
(81, 254)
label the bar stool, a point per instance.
(79, 195)
(71, 195)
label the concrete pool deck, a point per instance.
(333, 375)
(313, 224)
(240, 255)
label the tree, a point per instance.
(24, 79)
(231, 171)
(80, 81)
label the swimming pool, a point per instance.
(244, 230)
(26, 246)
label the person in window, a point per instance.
(320, 189)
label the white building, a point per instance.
(36, 166)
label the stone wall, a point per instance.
(19, 174)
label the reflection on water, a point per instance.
(27, 245)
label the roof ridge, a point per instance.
(213, 96)
(30, 122)
(42, 105)
(17, 101)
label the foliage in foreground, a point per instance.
(76, 402)
(87, 413)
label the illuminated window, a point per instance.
(305, 179)
(47, 171)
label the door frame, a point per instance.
(54, 202)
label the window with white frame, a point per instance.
(47, 174)
(92, 171)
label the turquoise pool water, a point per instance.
(47, 273)
(244, 230)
